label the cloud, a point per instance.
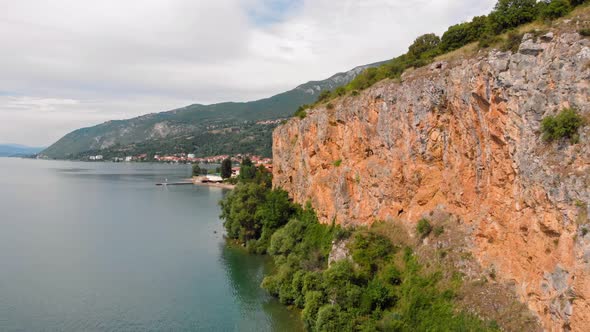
(115, 59)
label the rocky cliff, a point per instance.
(464, 136)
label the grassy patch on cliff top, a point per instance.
(502, 28)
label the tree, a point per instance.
(462, 34)
(247, 170)
(554, 9)
(238, 209)
(324, 95)
(512, 13)
(455, 37)
(226, 168)
(424, 46)
(276, 210)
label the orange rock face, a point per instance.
(465, 138)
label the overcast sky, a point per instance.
(66, 64)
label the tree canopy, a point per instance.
(226, 168)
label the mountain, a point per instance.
(16, 150)
(224, 128)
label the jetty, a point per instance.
(179, 183)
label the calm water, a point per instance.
(98, 247)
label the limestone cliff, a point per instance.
(464, 136)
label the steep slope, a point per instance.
(187, 129)
(464, 138)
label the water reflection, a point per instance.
(245, 273)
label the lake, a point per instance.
(99, 247)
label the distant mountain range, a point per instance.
(225, 128)
(16, 150)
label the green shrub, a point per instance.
(564, 125)
(584, 32)
(340, 91)
(554, 9)
(370, 250)
(301, 113)
(392, 275)
(462, 34)
(423, 227)
(424, 46)
(438, 230)
(341, 233)
(488, 40)
(331, 318)
(509, 14)
(337, 163)
(238, 209)
(376, 296)
(456, 37)
(512, 42)
(314, 300)
(252, 212)
(324, 95)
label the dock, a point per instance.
(181, 183)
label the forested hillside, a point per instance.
(225, 128)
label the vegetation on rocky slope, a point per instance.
(486, 30)
(563, 125)
(378, 285)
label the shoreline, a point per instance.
(212, 184)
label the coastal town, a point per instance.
(189, 158)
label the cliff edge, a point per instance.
(464, 137)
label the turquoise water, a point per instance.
(98, 247)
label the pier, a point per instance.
(180, 183)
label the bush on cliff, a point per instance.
(554, 9)
(508, 14)
(563, 125)
(423, 227)
(512, 42)
(301, 113)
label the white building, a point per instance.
(214, 178)
(128, 158)
(190, 155)
(98, 157)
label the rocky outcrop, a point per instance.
(464, 137)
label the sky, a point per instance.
(67, 64)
